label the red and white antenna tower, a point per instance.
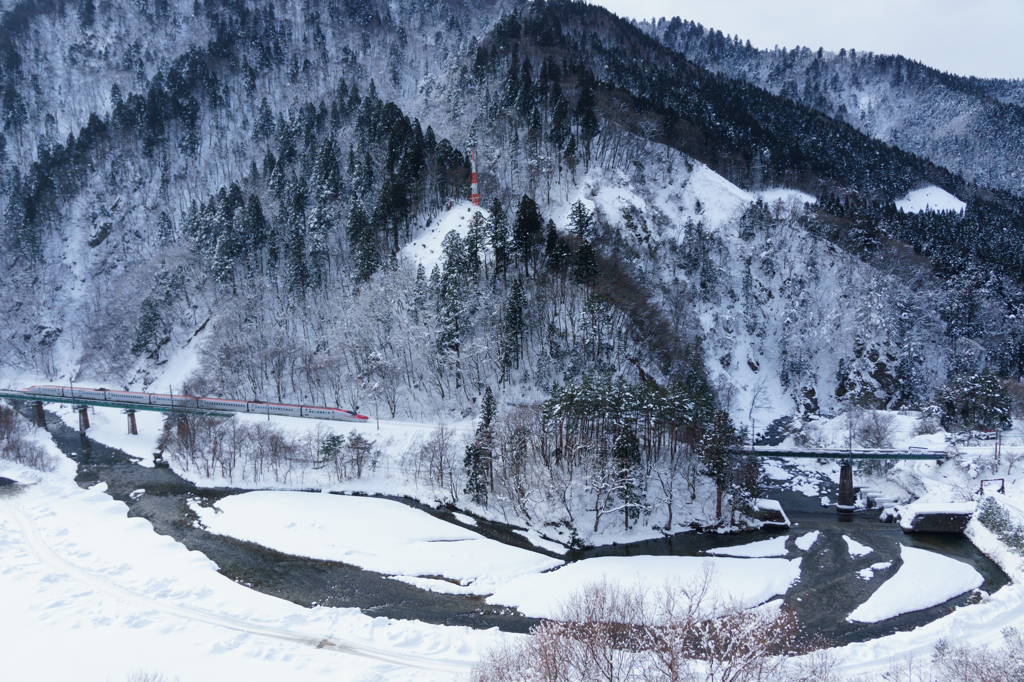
(475, 195)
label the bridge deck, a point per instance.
(844, 454)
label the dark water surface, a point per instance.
(828, 589)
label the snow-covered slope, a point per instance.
(425, 247)
(780, 310)
(930, 199)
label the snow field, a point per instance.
(869, 572)
(934, 199)
(92, 621)
(425, 249)
(108, 425)
(115, 598)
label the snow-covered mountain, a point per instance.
(246, 190)
(971, 126)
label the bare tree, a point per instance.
(442, 469)
(877, 429)
(15, 446)
(759, 400)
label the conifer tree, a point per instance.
(319, 256)
(452, 293)
(165, 229)
(497, 235)
(479, 453)
(558, 130)
(254, 228)
(362, 242)
(975, 400)
(526, 231)
(474, 242)
(525, 98)
(630, 475)
(475, 464)
(298, 267)
(86, 13)
(149, 327)
(556, 251)
(587, 124)
(514, 328)
(580, 220)
(714, 448)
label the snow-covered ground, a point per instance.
(786, 196)
(90, 594)
(747, 581)
(76, 571)
(807, 540)
(393, 438)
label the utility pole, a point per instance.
(474, 195)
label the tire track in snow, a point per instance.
(39, 548)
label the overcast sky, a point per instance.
(970, 37)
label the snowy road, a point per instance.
(41, 551)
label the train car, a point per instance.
(45, 390)
(223, 404)
(128, 397)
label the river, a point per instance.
(828, 589)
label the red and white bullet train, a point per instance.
(184, 401)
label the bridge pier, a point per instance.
(847, 497)
(133, 428)
(38, 413)
(83, 418)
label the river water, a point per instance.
(826, 593)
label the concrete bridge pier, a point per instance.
(847, 497)
(133, 428)
(40, 416)
(83, 418)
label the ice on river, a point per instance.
(762, 548)
(376, 534)
(807, 540)
(924, 580)
(856, 549)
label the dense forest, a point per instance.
(239, 187)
